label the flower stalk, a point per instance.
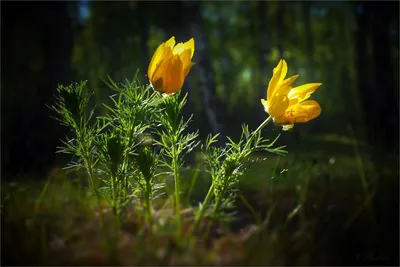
(175, 164)
(244, 152)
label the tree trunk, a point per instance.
(213, 108)
(280, 27)
(144, 34)
(43, 32)
(384, 94)
(363, 67)
(309, 38)
(264, 46)
(376, 83)
(264, 50)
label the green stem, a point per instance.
(216, 207)
(177, 187)
(114, 198)
(125, 181)
(149, 205)
(87, 160)
(114, 246)
(202, 209)
(113, 256)
(259, 128)
(102, 224)
(262, 125)
(174, 137)
(125, 165)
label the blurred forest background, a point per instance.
(352, 47)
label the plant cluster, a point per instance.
(143, 139)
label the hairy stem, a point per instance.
(259, 128)
(216, 207)
(107, 242)
(202, 209)
(211, 189)
(149, 205)
(175, 165)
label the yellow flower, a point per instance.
(170, 65)
(287, 105)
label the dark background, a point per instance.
(352, 47)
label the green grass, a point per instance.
(305, 208)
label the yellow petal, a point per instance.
(277, 105)
(170, 43)
(302, 112)
(155, 60)
(170, 65)
(178, 49)
(173, 78)
(283, 66)
(157, 84)
(186, 61)
(189, 45)
(289, 80)
(283, 87)
(275, 79)
(281, 91)
(159, 71)
(309, 110)
(304, 91)
(265, 105)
